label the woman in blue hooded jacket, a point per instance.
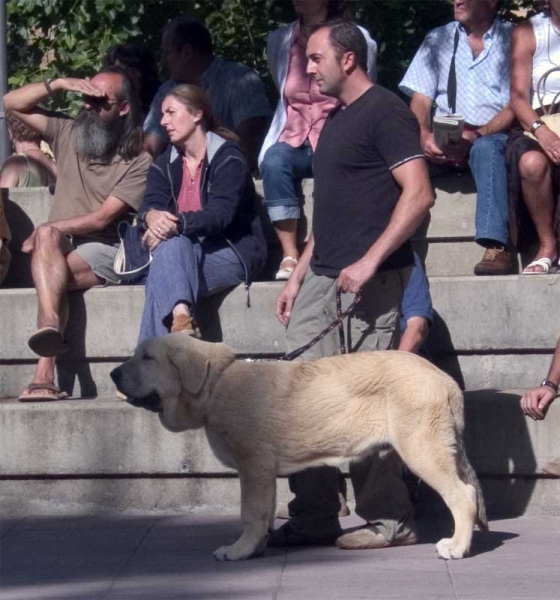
(200, 211)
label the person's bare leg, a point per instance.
(49, 268)
(286, 231)
(536, 183)
(79, 277)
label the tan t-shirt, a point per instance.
(82, 187)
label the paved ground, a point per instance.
(62, 556)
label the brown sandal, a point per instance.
(41, 392)
(47, 341)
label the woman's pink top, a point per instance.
(189, 194)
(307, 108)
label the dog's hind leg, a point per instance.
(258, 489)
(439, 470)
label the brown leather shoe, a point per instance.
(186, 325)
(497, 260)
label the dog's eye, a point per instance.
(147, 356)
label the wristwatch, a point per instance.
(47, 83)
(534, 126)
(550, 384)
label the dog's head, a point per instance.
(171, 375)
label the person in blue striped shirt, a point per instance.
(464, 67)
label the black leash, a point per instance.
(337, 323)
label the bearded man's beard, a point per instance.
(95, 138)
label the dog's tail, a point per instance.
(466, 471)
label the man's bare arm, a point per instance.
(416, 332)
(98, 220)
(503, 121)
(416, 199)
(288, 295)
(25, 100)
(421, 106)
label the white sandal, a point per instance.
(544, 262)
(284, 273)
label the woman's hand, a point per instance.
(549, 142)
(162, 224)
(150, 240)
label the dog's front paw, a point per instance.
(234, 552)
(447, 549)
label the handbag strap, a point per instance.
(540, 91)
(452, 77)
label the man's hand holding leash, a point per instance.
(353, 278)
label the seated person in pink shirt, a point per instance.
(287, 152)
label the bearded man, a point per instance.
(101, 176)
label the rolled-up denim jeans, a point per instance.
(283, 166)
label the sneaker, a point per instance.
(292, 534)
(369, 537)
(186, 325)
(497, 260)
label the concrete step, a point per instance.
(89, 378)
(488, 332)
(473, 314)
(84, 451)
(452, 216)
(445, 241)
(504, 496)
(108, 436)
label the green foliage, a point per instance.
(240, 28)
(53, 38)
(50, 38)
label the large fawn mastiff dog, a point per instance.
(274, 418)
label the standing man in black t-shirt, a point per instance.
(372, 191)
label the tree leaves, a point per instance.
(51, 38)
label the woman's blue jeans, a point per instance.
(282, 167)
(183, 270)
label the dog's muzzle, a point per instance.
(151, 401)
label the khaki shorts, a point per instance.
(100, 258)
(374, 325)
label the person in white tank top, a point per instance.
(536, 50)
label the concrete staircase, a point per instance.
(491, 334)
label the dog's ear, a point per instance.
(193, 367)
